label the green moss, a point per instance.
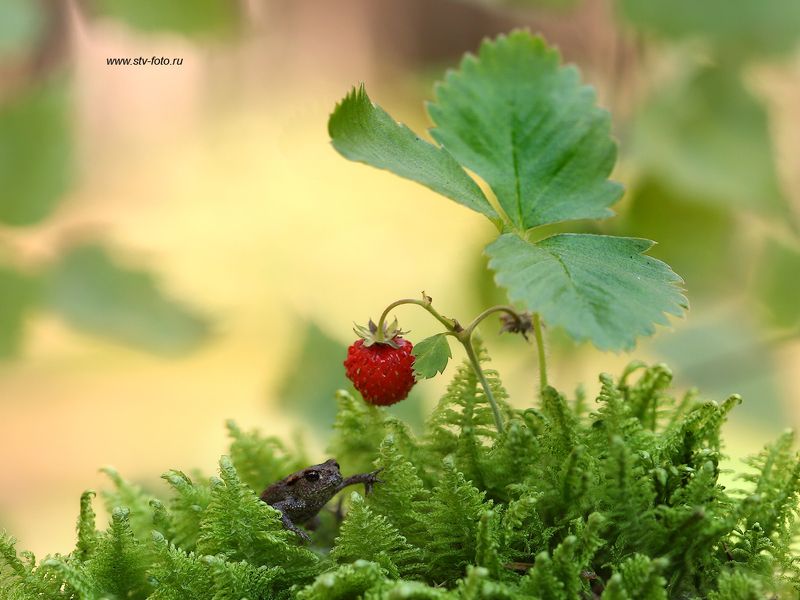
(620, 502)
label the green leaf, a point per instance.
(513, 116)
(35, 154)
(96, 294)
(431, 356)
(183, 16)
(735, 27)
(530, 130)
(708, 140)
(597, 287)
(779, 284)
(364, 132)
(17, 296)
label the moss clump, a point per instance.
(622, 501)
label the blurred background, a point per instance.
(179, 244)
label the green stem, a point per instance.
(490, 311)
(449, 324)
(462, 335)
(537, 332)
(476, 365)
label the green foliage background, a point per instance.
(697, 151)
(626, 497)
(87, 286)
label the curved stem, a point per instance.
(463, 335)
(450, 324)
(537, 332)
(490, 311)
(476, 365)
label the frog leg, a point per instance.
(287, 522)
(368, 479)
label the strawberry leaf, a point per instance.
(364, 132)
(599, 288)
(431, 356)
(530, 130)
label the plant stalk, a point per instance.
(487, 390)
(463, 335)
(538, 334)
(449, 324)
(490, 311)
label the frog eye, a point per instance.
(335, 464)
(312, 476)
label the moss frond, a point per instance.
(462, 424)
(623, 503)
(366, 535)
(451, 518)
(238, 526)
(358, 430)
(189, 502)
(259, 459)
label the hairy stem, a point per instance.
(538, 334)
(490, 311)
(463, 335)
(476, 365)
(450, 324)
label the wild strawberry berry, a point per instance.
(381, 370)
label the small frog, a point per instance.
(300, 496)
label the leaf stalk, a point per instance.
(539, 335)
(464, 336)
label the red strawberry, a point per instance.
(382, 370)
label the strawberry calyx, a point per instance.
(371, 334)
